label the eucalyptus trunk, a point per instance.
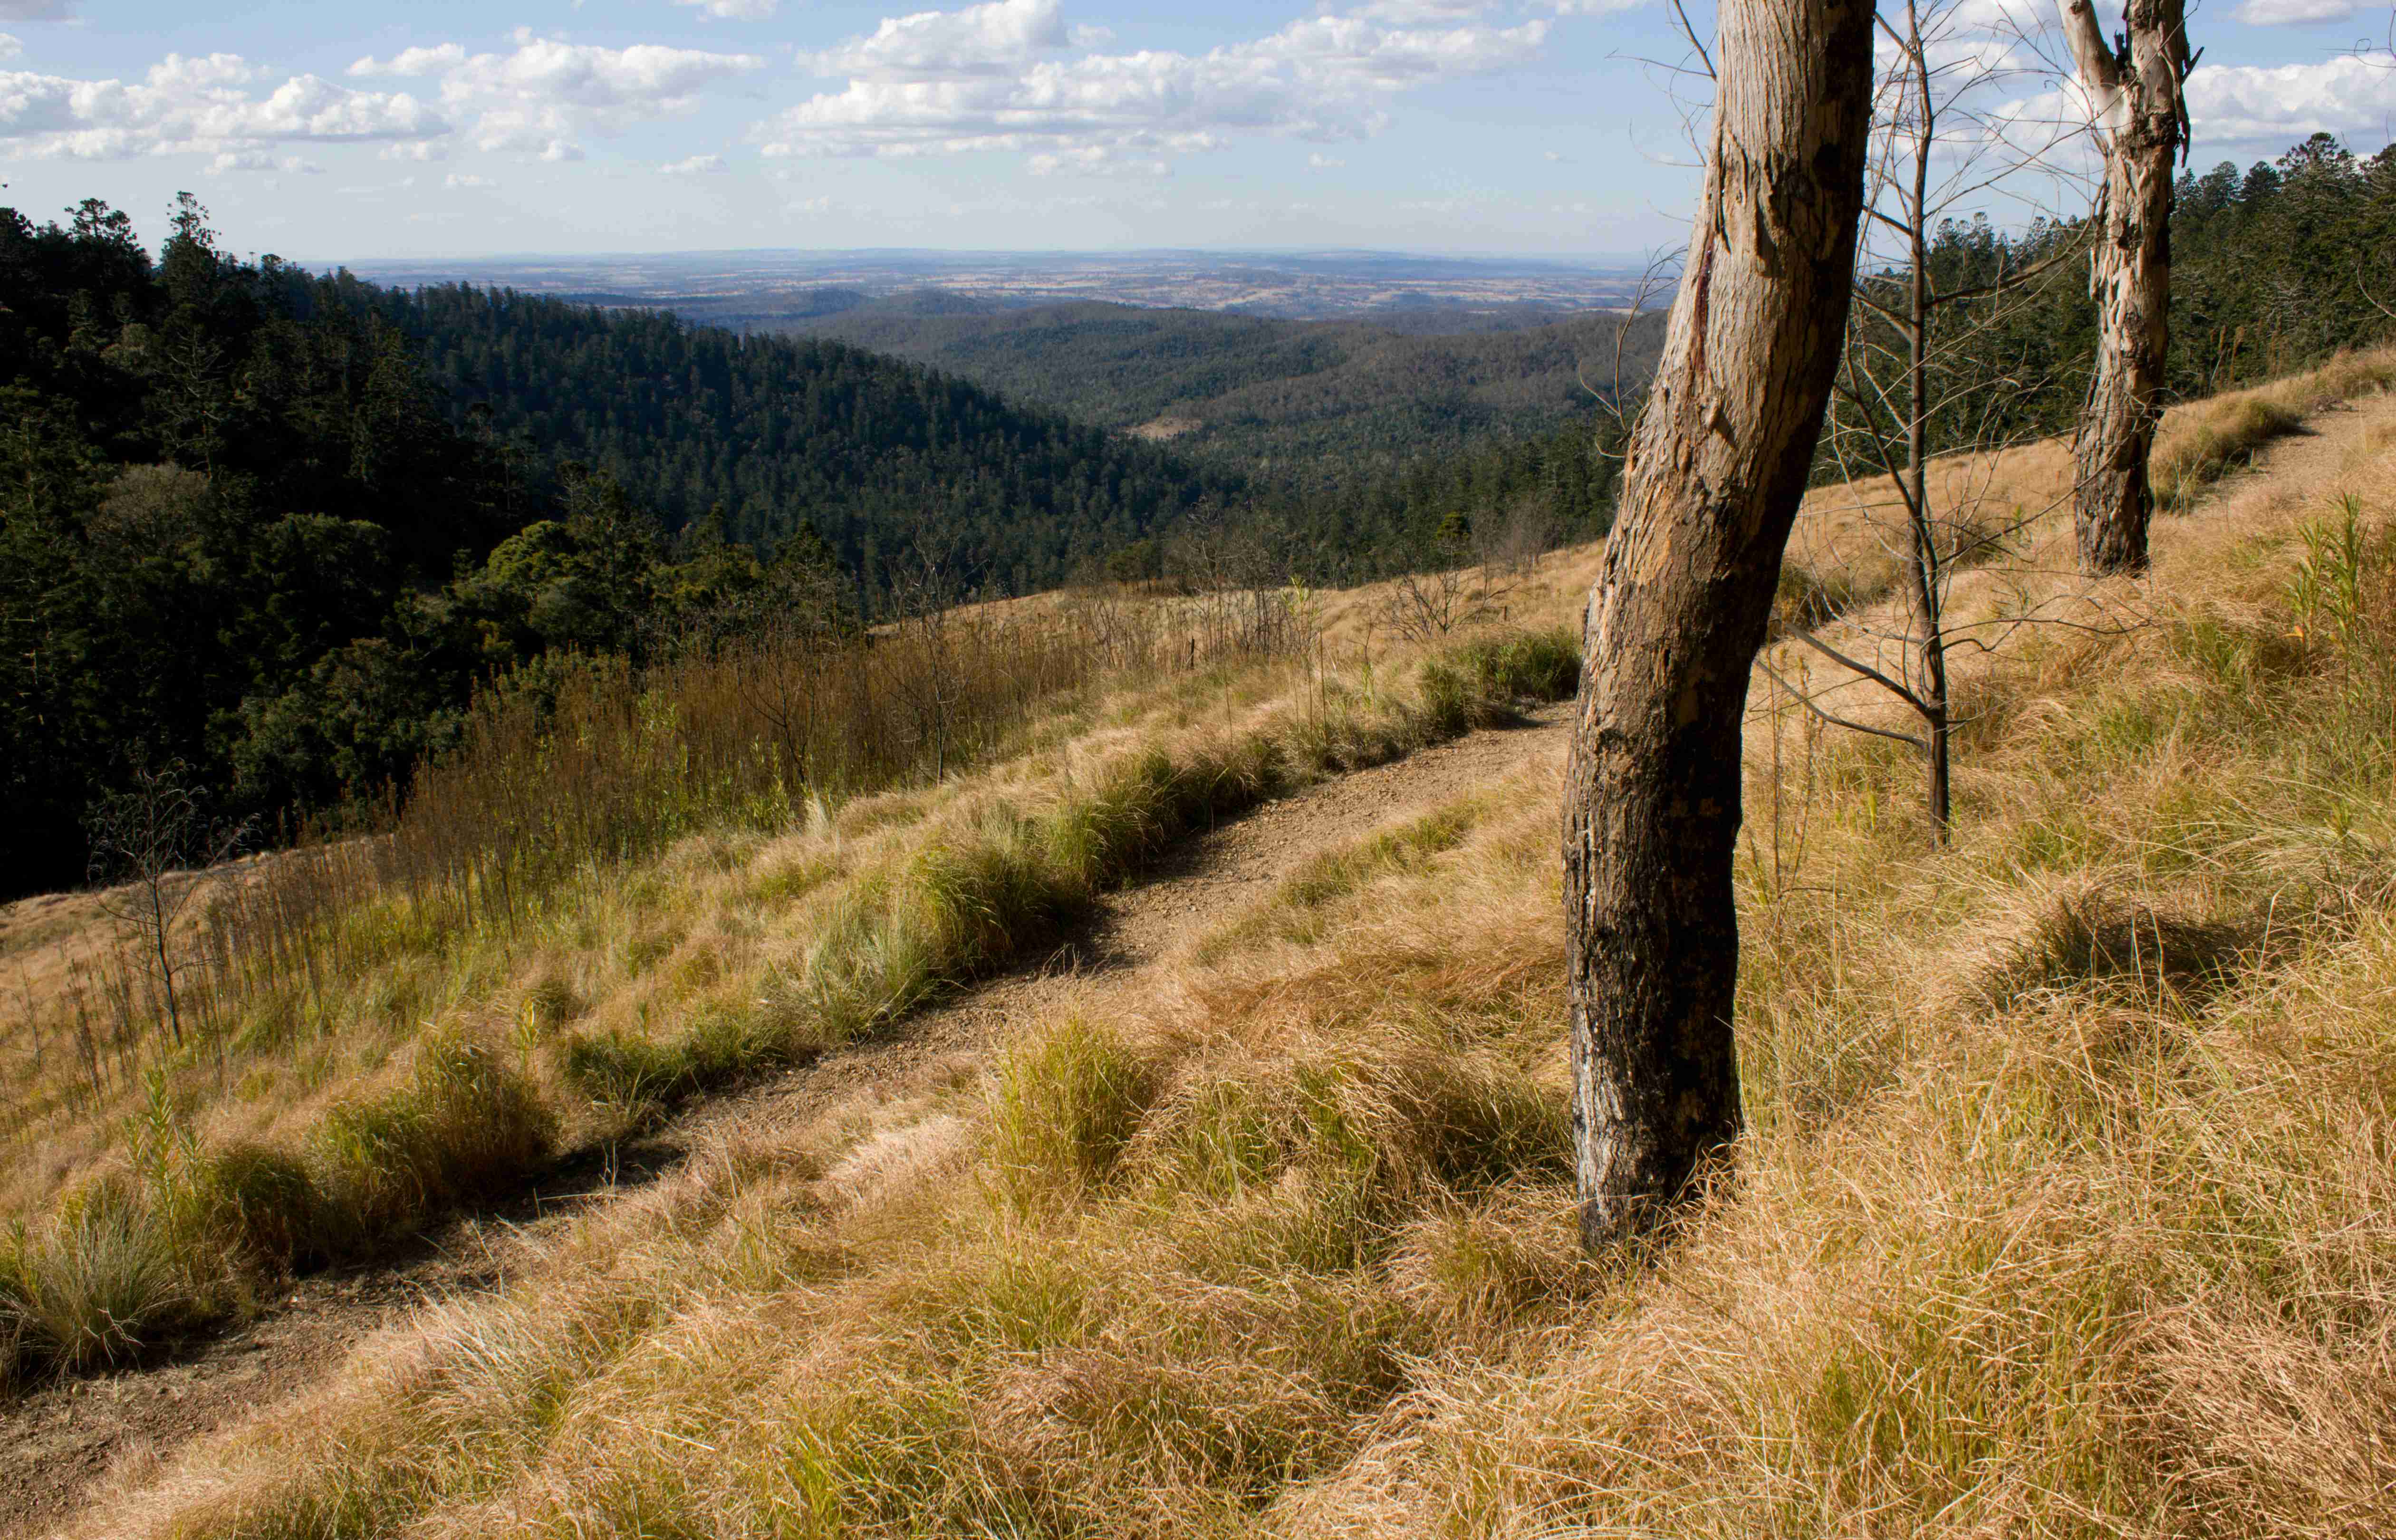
(2141, 124)
(1715, 471)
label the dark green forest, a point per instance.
(257, 525)
(780, 431)
(2272, 268)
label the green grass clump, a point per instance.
(464, 1125)
(1063, 1109)
(100, 1279)
(266, 1205)
(1538, 666)
(1481, 683)
(627, 1073)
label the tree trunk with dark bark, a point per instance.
(1716, 468)
(2141, 124)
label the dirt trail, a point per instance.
(55, 1444)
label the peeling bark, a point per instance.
(2141, 127)
(1715, 471)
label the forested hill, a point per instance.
(271, 533)
(873, 452)
(1295, 402)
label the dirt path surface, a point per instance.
(55, 1444)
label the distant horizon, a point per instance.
(1459, 254)
(777, 286)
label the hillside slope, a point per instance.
(57, 1444)
(2066, 1207)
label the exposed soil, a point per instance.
(56, 1442)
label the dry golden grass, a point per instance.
(732, 955)
(2069, 1204)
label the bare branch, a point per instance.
(1691, 34)
(2368, 297)
(2100, 72)
(1807, 702)
(1800, 634)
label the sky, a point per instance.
(450, 128)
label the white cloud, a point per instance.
(733, 10)
(2282, 103)
(35, 10)
(10, 47)
(2292, 13)
(1325, 162)
(466, 179)
(996, 38)
(986, 78)
(413, 62)
(547, 93)
(196, 104)
(696, 166)
(2265, 107)
(1416, 13)
(414, 150)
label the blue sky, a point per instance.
(438, 128)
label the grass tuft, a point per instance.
(2226, 440)
(103, 1279)
(1062, 1109)
(464, 1124)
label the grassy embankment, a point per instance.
(2069, 1206)
(652, 889)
